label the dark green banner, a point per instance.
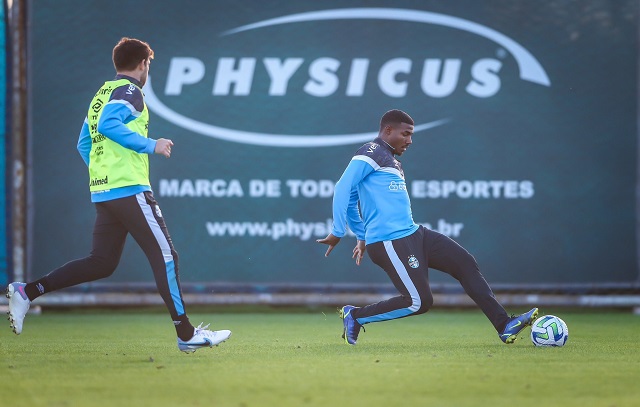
(525, 148)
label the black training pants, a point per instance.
(407, 262)
(140, 216)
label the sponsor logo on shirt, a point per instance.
(397, 186)
(99, 181)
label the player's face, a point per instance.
(399, 137)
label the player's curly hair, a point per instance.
(393, 117)
(129, 52)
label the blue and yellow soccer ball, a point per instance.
(549, 330)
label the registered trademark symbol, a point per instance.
(501, 53)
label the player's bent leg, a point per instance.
(406, 267)
(516, 324)
(203, 338)
(18, 306)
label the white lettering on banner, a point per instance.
(439, 77)
(280, 73)
(268, 188)
(216, 188)
(357, 77)
(309, 188)
(450, 74)
(227, 75)
(323, 80)
(273, 230)
(396, 75)
(302, 230)
(485, 82)
(472, 189)
(387, 77)
(183, 71)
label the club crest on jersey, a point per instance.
(413, 262)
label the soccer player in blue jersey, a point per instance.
(113, 143)
(371, 198)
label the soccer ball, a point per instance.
(549, 330)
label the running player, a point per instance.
(113, 143)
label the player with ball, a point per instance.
(368, 198)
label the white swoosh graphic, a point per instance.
(530, 68)
(261, 139)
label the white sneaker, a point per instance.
(202, 337)
(18, 306)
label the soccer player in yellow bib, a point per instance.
(113, 143)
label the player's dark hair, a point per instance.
(393, 117)
(129, 52)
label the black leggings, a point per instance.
(407, 261)
(140, 216)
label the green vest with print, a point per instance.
(110, 164)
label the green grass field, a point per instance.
(443, 358)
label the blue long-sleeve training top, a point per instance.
(124, 106)
(373, 182)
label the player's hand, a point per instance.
(358, 251)
(163, 146)
(330, 240)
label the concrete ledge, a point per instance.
(63, 300)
